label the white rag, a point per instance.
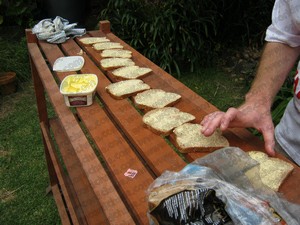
(57, 31)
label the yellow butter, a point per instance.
(79, 83)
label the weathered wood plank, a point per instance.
(100, 182)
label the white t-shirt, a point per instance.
(285, 28)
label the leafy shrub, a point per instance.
(173, 34)
(244, 21)
(17, 12)
(177, 33)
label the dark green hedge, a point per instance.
(178, 34)
(171, 33)
(18, 12)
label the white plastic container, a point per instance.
(79, 89)
(68, 63)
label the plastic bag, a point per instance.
(226, 181)
(57, 31)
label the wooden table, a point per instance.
(88, 149)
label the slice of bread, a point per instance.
(113, 63)
(273, 171)
(190, 139)
(258, 156)
(93, 40)
(116, 53)
(131, 72)
(107, 45)
(163, 121)
(155, 98)
(126, 88)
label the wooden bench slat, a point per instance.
(100, 182)
(60, 205)
(119, 157)
(62, 182)
(76, 177)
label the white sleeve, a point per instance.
(285, 27)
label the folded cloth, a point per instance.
(57, 31)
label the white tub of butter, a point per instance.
(79, 89)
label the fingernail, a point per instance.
(205, 131)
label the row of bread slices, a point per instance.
(161, 118)
(116, 59)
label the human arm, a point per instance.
(276, 62)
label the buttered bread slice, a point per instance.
(126, 88)
(130, 72)
(190, 139)
(93, 40)
(163, 121)
(155, 98)
(107, 45)
(112, 63)
(272, 171)
(116, 53)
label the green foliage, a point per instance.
(177, 34)
(23, 171)
(14, 57)
(244, 21)
(171, 33)
(216, 86)
(17, 12)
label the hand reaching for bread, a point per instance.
(254, 115)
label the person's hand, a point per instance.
(254, 114)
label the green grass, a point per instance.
(13, 53)
(221, 89)
(23, 171)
